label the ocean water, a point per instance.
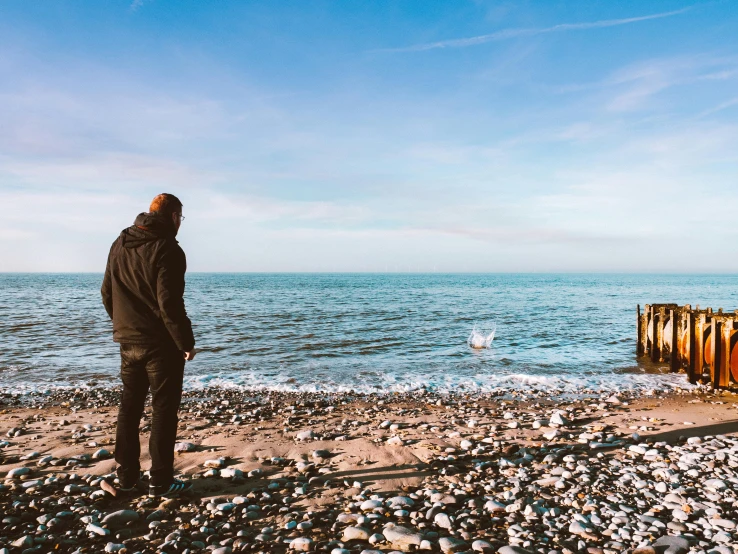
(362, 332)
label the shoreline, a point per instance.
(489, 465)
(534, 385)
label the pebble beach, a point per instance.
(428, 276)
(511, 472)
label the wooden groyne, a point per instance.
(685, 338)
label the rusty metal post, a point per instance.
(729, 349)
(699, 346)
(691, 348)
(652, 325)
(674, 353)
(644, 333)
(639, 352)
(684, 336)
(725, 351)
(660, 327)
(644, 329)
(716, 343)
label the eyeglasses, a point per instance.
(181, 217)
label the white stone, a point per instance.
(494, 506)
(120, 518)
(443, 521)
(355, 534)
(576, 528)
(401, 537)
(400, 501)
(92, 528)
(715, 484)
(451, 544)
(17, 472)
(101, 454)
(551, 435)
(301, 544)
(369, 505)
(558, 419)
(724, 523)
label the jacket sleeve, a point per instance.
(107, 288)
(170, 287)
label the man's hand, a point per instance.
(189, 356)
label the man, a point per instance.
(143, 293)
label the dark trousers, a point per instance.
(161, 369)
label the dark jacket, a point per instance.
(144, 285)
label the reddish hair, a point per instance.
(165, 204)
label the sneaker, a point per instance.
(175, 489)
(113, 488)
(127, 486)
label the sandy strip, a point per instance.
(351, 430)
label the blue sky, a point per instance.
(374, 136)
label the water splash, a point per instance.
(482, 337)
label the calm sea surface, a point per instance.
(368, 332)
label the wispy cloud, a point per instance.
(507, 34)
(257, 209)
(720, 75)
(11, 234)
(640, 85)
(136, 4)
(720, 107)
(113, 169)
(630, 88)
(542, 235)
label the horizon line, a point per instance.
(542, 272)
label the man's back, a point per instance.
(144, 285)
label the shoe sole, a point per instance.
(173, 494)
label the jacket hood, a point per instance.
(148, 227)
